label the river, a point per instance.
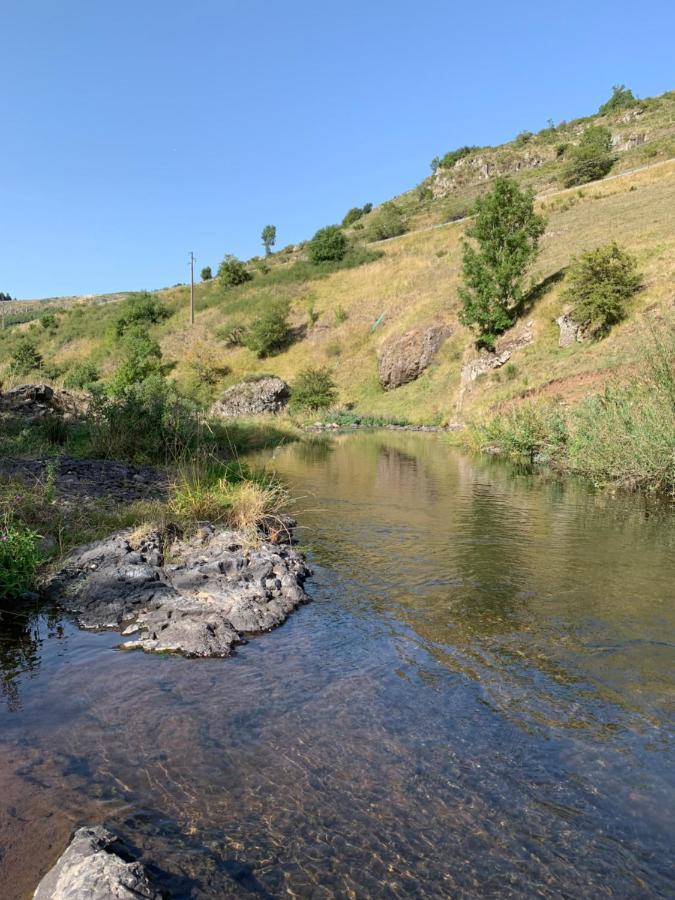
(477, 703)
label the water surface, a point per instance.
(475, 704)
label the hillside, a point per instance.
(342, 318)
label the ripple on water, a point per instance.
(474, 705)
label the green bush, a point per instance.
(25, 358)
(533, 430)
(328, 245)
(19, 558)
(450, 159)
(141, 358)
(599, 284)
(140, 309)
(81, 375)
(145, 422)
(232, 272)
(49, 321)
(269, 333)
(622, 98)
(389, 221)
(591, 159)
(313, 389)
(206, 273)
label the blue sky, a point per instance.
(135, 132)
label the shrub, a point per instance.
(522, 138)
(352, 215)
(622, 98)
(233, 272)
(507, 232)
(591, 159)
(367, 207)
(145, 422)
(533, 430)
(206, 273)
(141, 358)
(49, 321)
(328, 245)
(313, 389)
(389, 221)
(453, 157)
(25, 358)
(140, 309)
(81, 375)
(232, 334)
(269, 333)
(340, 314)
(599, 283)
(19, 558)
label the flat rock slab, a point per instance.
(78, 479)
(96, 866)
(196, 596)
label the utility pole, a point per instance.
(192, 288)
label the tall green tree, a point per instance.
(269, 238)
(232, 272)
(206, 273)
(507, 231)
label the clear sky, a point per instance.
(135, 131)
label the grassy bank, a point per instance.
(623, 435)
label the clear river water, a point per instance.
(477, 703)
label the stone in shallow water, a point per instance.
(196, 596)
(96, 866)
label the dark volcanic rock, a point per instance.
(252, 398)
(403, 358)
(78, 479)
(96, 866)
(195, 596)
(38, 401)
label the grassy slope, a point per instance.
(415, 283)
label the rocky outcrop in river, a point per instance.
(197, 596)
(96, 866)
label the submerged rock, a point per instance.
(252, 398)
(96, 866)
(197, 596)
(403, 358)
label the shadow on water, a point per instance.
(475, 704)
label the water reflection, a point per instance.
(474, 705)
(23, 630)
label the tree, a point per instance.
(599, 283)
(232, 272)
(206, 273)
(591, 158)
(622, 98)
(507, 231)
(269, 238)
(6, 298)
(328, 245)
(352, 215)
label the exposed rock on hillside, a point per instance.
(403, 358)
(96, 866)
(252, 398)
(196, 596)
(514, 339)
(570, 331)
(37, 401)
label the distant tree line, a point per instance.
(5, 297)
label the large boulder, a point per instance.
(195, 595)
(39, 401)
(403, 358)
(96, 866)
(252, 398)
